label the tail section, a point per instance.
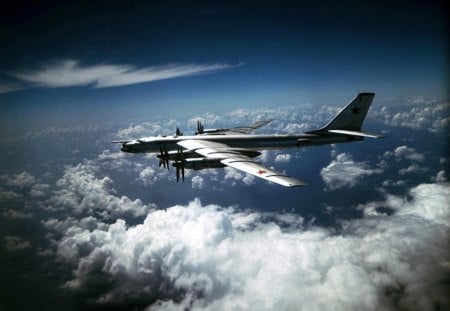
(349, 121)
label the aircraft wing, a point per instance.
(250, 128)
(232, 131)
(233, 158)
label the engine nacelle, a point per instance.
(202, 163)
(175, 155)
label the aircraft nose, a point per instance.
(125, 148)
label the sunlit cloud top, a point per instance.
(70, 73)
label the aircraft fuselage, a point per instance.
(236, 147)
(256, 142)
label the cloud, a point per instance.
(430, 201)
(283, 158)
(13, 214)
(208, 119)
(249, 179)
(429, 113)
(82, 191)
(198, 182)
(408, 153)
(295, 128)
(148, 176)
(236, 176)
(140, 130)
(195, 256)
(21, 180)
(70, 73)
(40, 190)
(345, 172)
(233, 175)
(9, 87)
(440, 177)
(218, 258)
(414, 168)
(13, 243)
(113, 160)
(6, 195)
(287, 119)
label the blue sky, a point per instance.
(84, 226)
(290, 51)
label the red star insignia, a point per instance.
(355, 110)
(260, 172)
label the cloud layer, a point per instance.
(423, 113)
(218, 258)
(212, 257)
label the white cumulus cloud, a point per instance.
(345, 172)
(432, 114)
(216, 258)
(82, 191)
(408, 153)
(414, 168)
(198, 182)
(283, 158)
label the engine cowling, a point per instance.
(174, 155)
(202, 163)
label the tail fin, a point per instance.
(350, 118)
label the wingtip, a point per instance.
(298, 184)
(119, 141)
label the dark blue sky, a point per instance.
(287, 52)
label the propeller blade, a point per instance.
(166, 155)
(179, 163)
(160, 156)
(199, 127)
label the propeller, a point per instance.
(179, 164)
(163, 157)
(200, 127)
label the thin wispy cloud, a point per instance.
(9, 87)
(70, 72)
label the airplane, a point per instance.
(238, 148)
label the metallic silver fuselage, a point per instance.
(256, 142)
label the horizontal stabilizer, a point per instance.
(356, 133)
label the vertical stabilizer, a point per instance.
(352, 116)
